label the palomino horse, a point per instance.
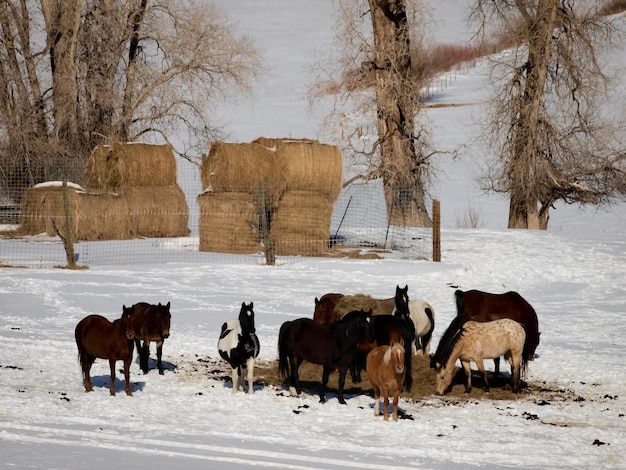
(484, 306)
(333, 346)
(423, 316)
(97, 337)
(239, 346)
(475, 341)
(150, 323)
(385, 370)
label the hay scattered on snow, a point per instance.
(124, 165)
(228, 222)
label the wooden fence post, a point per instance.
(436, 231)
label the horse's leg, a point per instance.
(425, 340)
(385, 397)
(235, 372)
(159, 353)
(342, 382)
(86, 362)
(325, 374)
(127, 374)
(396, 396)
(376, 400)
(515, 375)
(112, 386)
(496, 363)
(250, 367)
(481, 367)
(294, 365)
(468, 375)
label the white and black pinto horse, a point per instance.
(423, 316)
(239, 346)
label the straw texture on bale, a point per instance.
(157, 211)
(231, 167)
(124, 165)
(355, 302)
(130, 213)
(308, 165)
(226, 222)
(301, 224)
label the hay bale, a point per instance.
(228, 222)
(233, 167)
(308, 164)
(355, 302)
(43, 202)
(156, 211)
(124, 165)
(301, 224)
(102, 216)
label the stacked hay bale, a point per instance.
(300, 180)
(132, 192)
(144, 178)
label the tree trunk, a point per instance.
(525, 184)
(62, 19)
(400, 165)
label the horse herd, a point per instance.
(346, 333)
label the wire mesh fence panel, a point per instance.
(179, 222)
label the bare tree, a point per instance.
(545, 123)
(111, 70)
(385, 56)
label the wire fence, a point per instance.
(156, 231)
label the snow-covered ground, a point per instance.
(573, 274)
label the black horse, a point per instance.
(333, 346)
(239, 346)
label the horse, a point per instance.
(469, 340)
(397, 327)
(97, 337)
(333, 346)
(150, 323)
(484, 306)
(324, 312)
(423, 316)
(239, 346)
(385, 370)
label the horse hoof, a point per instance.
(161, 372)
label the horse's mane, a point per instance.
(450, 338)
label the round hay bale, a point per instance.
(228, 222)
(301, 224)
(231, 167)
(124, 165)
(156, 211)
(355, 302)
(308, 164)
(102, 216)
(43, 202)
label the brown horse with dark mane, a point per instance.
(150, 323)
(324, 312)
(97, 337)
(483, 307)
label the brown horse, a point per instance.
(150, 323)
(333, 346)
(475, 341)
(484, 306)
(324, 312)
(97, 337)
(385, 370)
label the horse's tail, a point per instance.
(283, 363)
(460, 301)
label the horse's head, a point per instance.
(402, 302)
(164, 318)
(246, 318)
(443, 375)
(395, 356)
(127, 321)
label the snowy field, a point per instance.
(574, 275)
